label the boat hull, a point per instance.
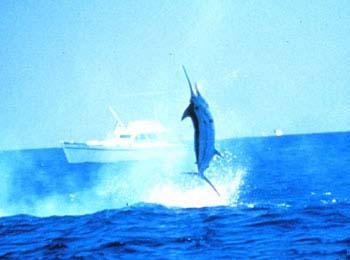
(82, 153)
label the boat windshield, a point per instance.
(146, 137)
(125, 136)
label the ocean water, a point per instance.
(281, 198)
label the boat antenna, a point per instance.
(116, 117)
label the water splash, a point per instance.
(165, 183)
(189, 191)
(197, 193)
(122, 185)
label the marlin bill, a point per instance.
(204, 130)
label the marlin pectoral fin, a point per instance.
(209, 182)
(187, 113)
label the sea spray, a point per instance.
(190, 191)
(197, 194)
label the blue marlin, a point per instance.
(204, 131)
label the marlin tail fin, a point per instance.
(209, 182)
(218, 153)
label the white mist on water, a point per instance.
(166, 184)
(163, 183)
(199, 193)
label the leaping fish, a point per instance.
(204, 131)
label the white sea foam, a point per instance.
(199, 194)
(165, 184)
(190, 191)
(144, 182)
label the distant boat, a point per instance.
(138, 141)
(278, 132)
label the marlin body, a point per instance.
(204, 131)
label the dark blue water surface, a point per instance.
(281, 198)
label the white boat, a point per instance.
(138, 141)
(278, 132)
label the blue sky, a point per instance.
(261, 65)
